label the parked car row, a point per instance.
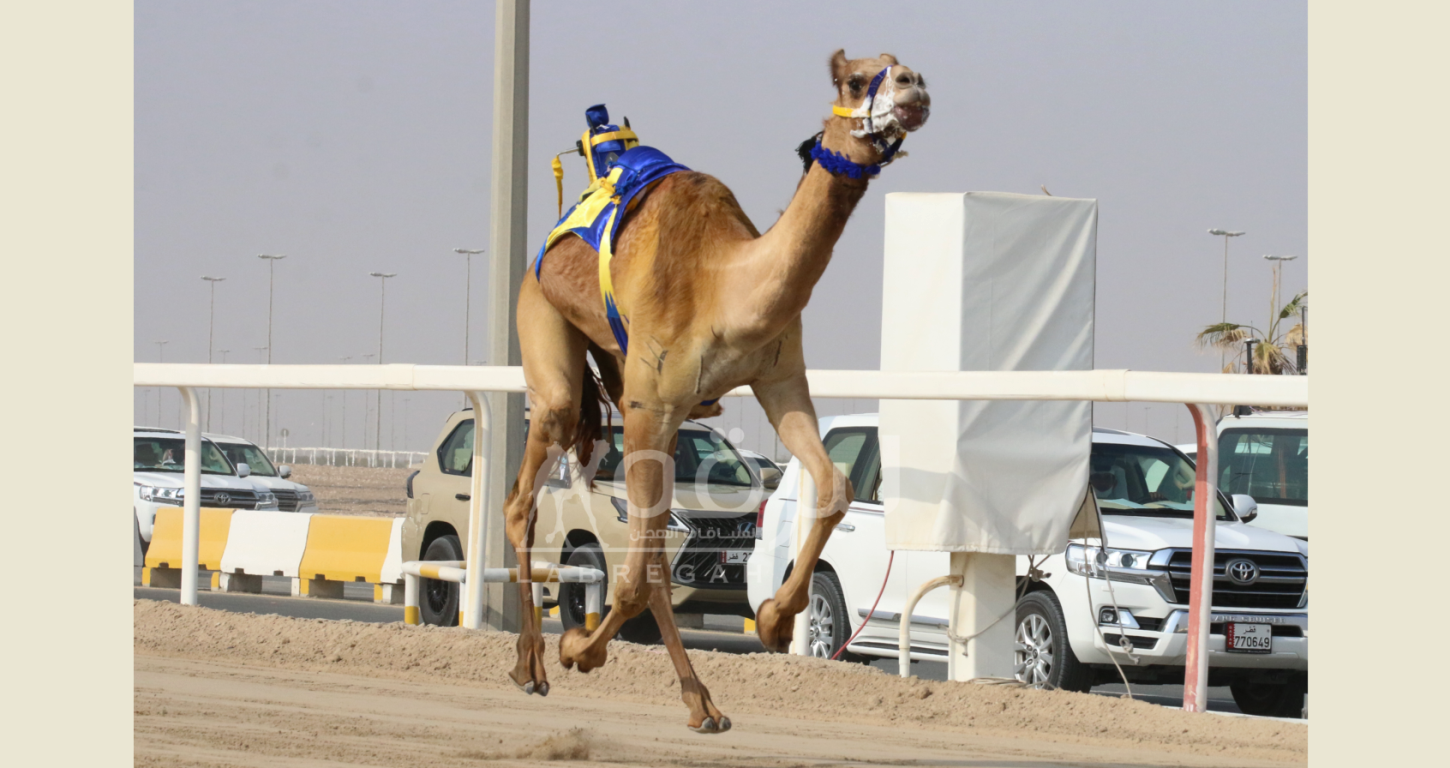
(1072, 624)
(235, 474)
(1122, 598)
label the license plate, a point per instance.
(1248, 638)
(735, 556)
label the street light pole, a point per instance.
(210, 338)
(468, 255)
(382, 307)
(272, 259)
(369, 358)
(344, 406)
(160, 357)
(1278, 266)
(259, 350)
(1226, 235)
(224, 393)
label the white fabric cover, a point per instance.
(986, 281)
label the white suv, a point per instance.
(1266, 455)
(291, 496)
(158, 479)
(1071, 625)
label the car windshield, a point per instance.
(252, 456)
(1143, 480)
(699, 455)
(166, 454)
(1271, 465)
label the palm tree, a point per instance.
(1274, 351)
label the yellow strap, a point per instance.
(589, 160)
(623, 134)
(559, 182)
(606, 254)
(842, 111)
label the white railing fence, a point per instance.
(345, 457)
(1195, 390)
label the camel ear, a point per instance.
(839, 66)
(889, 59)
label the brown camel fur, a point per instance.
(713, 305)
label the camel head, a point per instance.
(901, 103)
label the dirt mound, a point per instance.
(767, 684)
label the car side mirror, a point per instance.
(770, 478)
(243, 469)
(284, 471)
(1245, 507)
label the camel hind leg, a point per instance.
(553, 356)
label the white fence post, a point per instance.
(191, 503)
(477, 544)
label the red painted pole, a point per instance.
(1200, 596)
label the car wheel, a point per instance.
(438, 600)
(641, 629)
(571, 596)
(828, 625)
(1280, 699)
(1043, 657)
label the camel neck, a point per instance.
(792, 256)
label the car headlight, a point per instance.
(265, 497)
(621, 509)
(1094, 561)
(161, 495)
(305, 496)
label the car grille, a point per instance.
(235, 499)
(697, 564)
(286, 499)
(1282, 577)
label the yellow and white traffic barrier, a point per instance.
(455, 571)
(262, 543)
(342, 549)
(163, 557)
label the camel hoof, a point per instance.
(574, 649)
(529, 687)
(709, 725)
(542, 689)
(774, 629)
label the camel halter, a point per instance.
(840, 165)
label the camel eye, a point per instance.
(855, 85)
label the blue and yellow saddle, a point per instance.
(620, 171)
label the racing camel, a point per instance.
(711, 304)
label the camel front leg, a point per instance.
(649, 446)
(788, 404)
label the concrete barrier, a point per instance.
(262, 544)
(340, 550)
(163, 556)
(390, 588)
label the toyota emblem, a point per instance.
(223, 499)
(1243, 572)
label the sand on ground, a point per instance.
(363, 491)
(227, 689)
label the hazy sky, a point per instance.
(354, 137)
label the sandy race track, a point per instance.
(225, 689)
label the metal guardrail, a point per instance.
(1195, 390)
